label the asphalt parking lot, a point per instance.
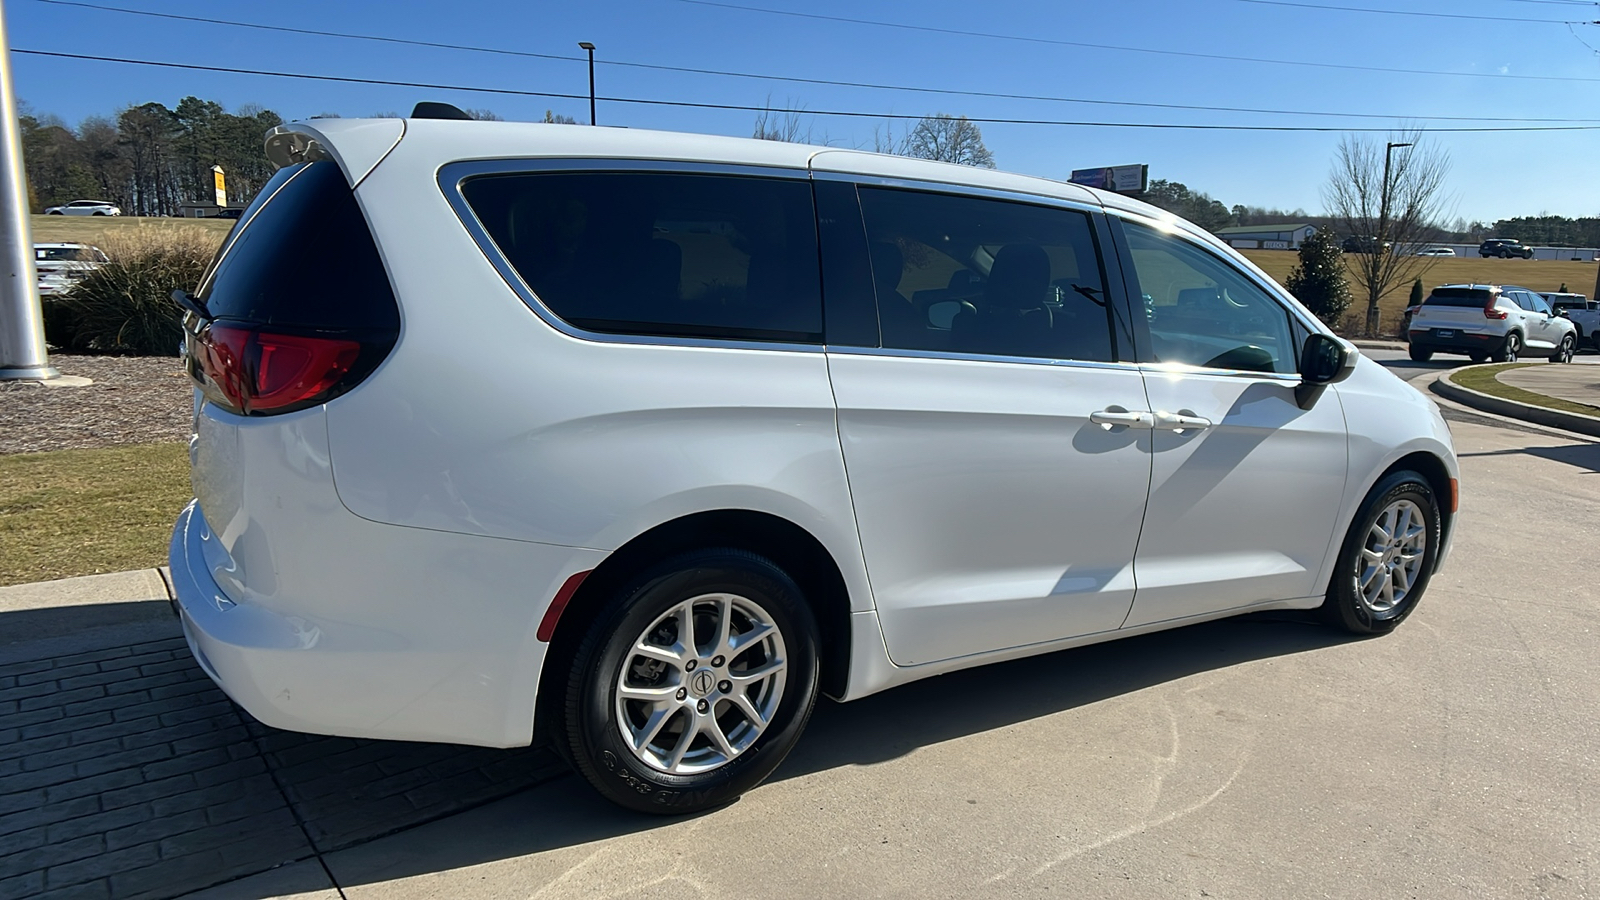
(1258, 757)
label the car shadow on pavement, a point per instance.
(567, 813)
(943, 708)
(1580, 456)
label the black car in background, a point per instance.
(1505, 248)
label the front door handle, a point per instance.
(1181, 421)
(1115, 416)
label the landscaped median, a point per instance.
(1480, 387)
(84, 512)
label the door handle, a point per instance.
(1115, 416)
(1182, 421)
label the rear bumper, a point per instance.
(418, 655)
(1457, 342)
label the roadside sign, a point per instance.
(222, 186)
(1132, 179)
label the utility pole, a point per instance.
(590, 47)
(22, 349)
(1383, 230)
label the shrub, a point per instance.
(125, 307)
(1416, 293)
(1318, 282)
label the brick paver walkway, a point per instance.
(126, 773)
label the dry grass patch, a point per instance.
(86, 512)
(94, 229)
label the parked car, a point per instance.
(1505, 248)
(1487, 321)
(230, 212)
(62, 265)
(1581, 311)
(681, 431)
(1364, 243)
(1436, 251)
(85, 208)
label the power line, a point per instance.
(803, 80)
(1407, 12)
(1123, 49)
(855, 114)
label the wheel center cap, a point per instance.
(702, 683)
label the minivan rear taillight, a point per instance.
(1491, 311)
(297, 308)
(258, 371)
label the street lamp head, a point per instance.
(586, 46)
(1392, 146)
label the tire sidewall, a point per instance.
(596, 743)
(1344, 603)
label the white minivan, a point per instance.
(636, 442)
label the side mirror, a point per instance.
(1561, 313)
(1324, 360)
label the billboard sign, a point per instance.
(1132, 179)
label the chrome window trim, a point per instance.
(955, 356)
(452, 175)
(1273, 289)
(1184, 370)
(962, 190)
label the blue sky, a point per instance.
(1535, 69)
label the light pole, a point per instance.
(590, 47)
(22, 350)
(1383, 224)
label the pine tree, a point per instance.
(1318, 282)
(1416, 293)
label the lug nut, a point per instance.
(726, 687)
(717, 661)
(691, 665)
(682, 693)
(702, 706)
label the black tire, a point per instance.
(1505, 254)
(1346, 605)
(1564, 350)
(595, 715)
(55, 212)
(1420, 354)
(1509, 349)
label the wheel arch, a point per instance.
(1434, 471)
(791, 547)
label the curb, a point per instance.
(72, 615)
(1539, 415)
(1366, 344)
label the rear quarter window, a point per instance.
(712, 256)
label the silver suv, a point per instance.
(1486, 321)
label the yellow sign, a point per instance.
(222, 186)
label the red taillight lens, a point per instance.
(1490, 311)
(260, 371)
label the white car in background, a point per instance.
(1489, 321)
(85, 208)
(1436, 251)
(682, 431)
(60, 266)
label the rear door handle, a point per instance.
(1115, 416)
(1181, 422)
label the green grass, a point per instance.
(1483, 380)
(84, 512)
(1537, 274)
(94, 229)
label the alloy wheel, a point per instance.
(1391, 557)
(701, 684)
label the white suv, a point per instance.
(635, 442)
(85, 208)
(1486, 321)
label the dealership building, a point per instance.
(1266, 237)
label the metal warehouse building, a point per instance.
(1266, 237)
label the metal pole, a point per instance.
(590, 48)
(22, 350)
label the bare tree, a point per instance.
(483, 115)
(948, 138)
(781, 125)
(551, 117)
(1389, 197)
